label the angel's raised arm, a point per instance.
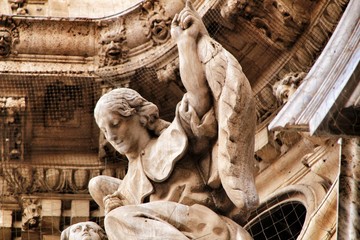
(187, 28)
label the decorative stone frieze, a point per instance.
(319, 31)
(170, 72)
(29, 179)
(329, 82)
(266, 103)
(9, 36)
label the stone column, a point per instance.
(349, 190)
(5, 224)
(80, 211)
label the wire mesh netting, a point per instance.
(50, 146)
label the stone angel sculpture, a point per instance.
(83, 231)
(191, 178)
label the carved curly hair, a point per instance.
(127, 102)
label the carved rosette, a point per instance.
(113, 50)
(155, 22)
(9, 36)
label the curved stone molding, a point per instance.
(278, 21)
(12, 122)
(9, 36)
(320, 31)
(322, 86)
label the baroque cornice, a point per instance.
(329, 77)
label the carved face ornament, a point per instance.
(5, 42)
(114, 50)
(159, 29)
(113, 46)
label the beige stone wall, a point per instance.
(70, 8)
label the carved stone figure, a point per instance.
(156, 23)
(284, 88)
(193, 177)
(84, 231)
(114, 48)
(31, 215)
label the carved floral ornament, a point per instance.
(9, 36)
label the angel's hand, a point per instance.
(187, 24)
(113, 201)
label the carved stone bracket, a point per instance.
(31, 217)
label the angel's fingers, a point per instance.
(188, 21)
(175, 21)
(184, 14)
(189, 5)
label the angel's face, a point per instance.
(123, 133)
(84, 231)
